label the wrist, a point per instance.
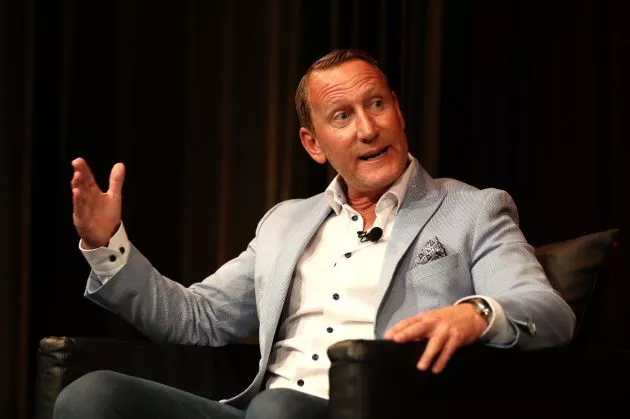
(102, 241)
(482, 311)
(87, 245)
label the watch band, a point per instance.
(481, 306)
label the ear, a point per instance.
(398, 111)
(311, 145)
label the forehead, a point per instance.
(345, 80)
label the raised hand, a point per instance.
(96, 214)
(446, 329)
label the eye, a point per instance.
(341, 116)
(378, 103)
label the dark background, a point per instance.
(196, 98)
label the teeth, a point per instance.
(372, 157)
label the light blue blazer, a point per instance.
(487, 254)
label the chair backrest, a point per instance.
(575, 266)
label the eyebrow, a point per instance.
(372, 89)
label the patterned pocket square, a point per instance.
(432, 250)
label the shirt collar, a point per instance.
(394, 196)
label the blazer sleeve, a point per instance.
(216, 311)
(505, 267)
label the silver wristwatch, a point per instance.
(482, 307)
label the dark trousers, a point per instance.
(111, 395)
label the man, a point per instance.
(434, 259)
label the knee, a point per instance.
(88, 395)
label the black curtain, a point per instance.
(15, 205)
(534, 101)
(196, 98)
(533, 104)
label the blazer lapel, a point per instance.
(423, 198)
(272, 301)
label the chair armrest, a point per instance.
(214, 373)
(379, 379)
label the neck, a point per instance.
(365, 204)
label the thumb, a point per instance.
(116, 178)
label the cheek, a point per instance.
(392, 121)
(338, 142)
(341, 158)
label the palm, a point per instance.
(96, 214)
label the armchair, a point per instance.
(378, 379)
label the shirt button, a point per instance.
(112, 258)
(122, 250)
(335, 296)
(347, 255)
(329, 329)
(300, 382)
(355, 217)
(315, 357)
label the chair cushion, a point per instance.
(376, 379)
(214, 373)
(574, 266)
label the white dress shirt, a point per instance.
(333, 291)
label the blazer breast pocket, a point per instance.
(433, 268)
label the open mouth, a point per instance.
(374, 156)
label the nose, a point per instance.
(367, 129)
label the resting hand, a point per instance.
(446, 330)
(96, 214)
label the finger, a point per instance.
(78, 203)
(78, 181)
(447, 352)
(400, 326)
(80, 165)
(413, 332)
(116, 179)
(434, 346)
